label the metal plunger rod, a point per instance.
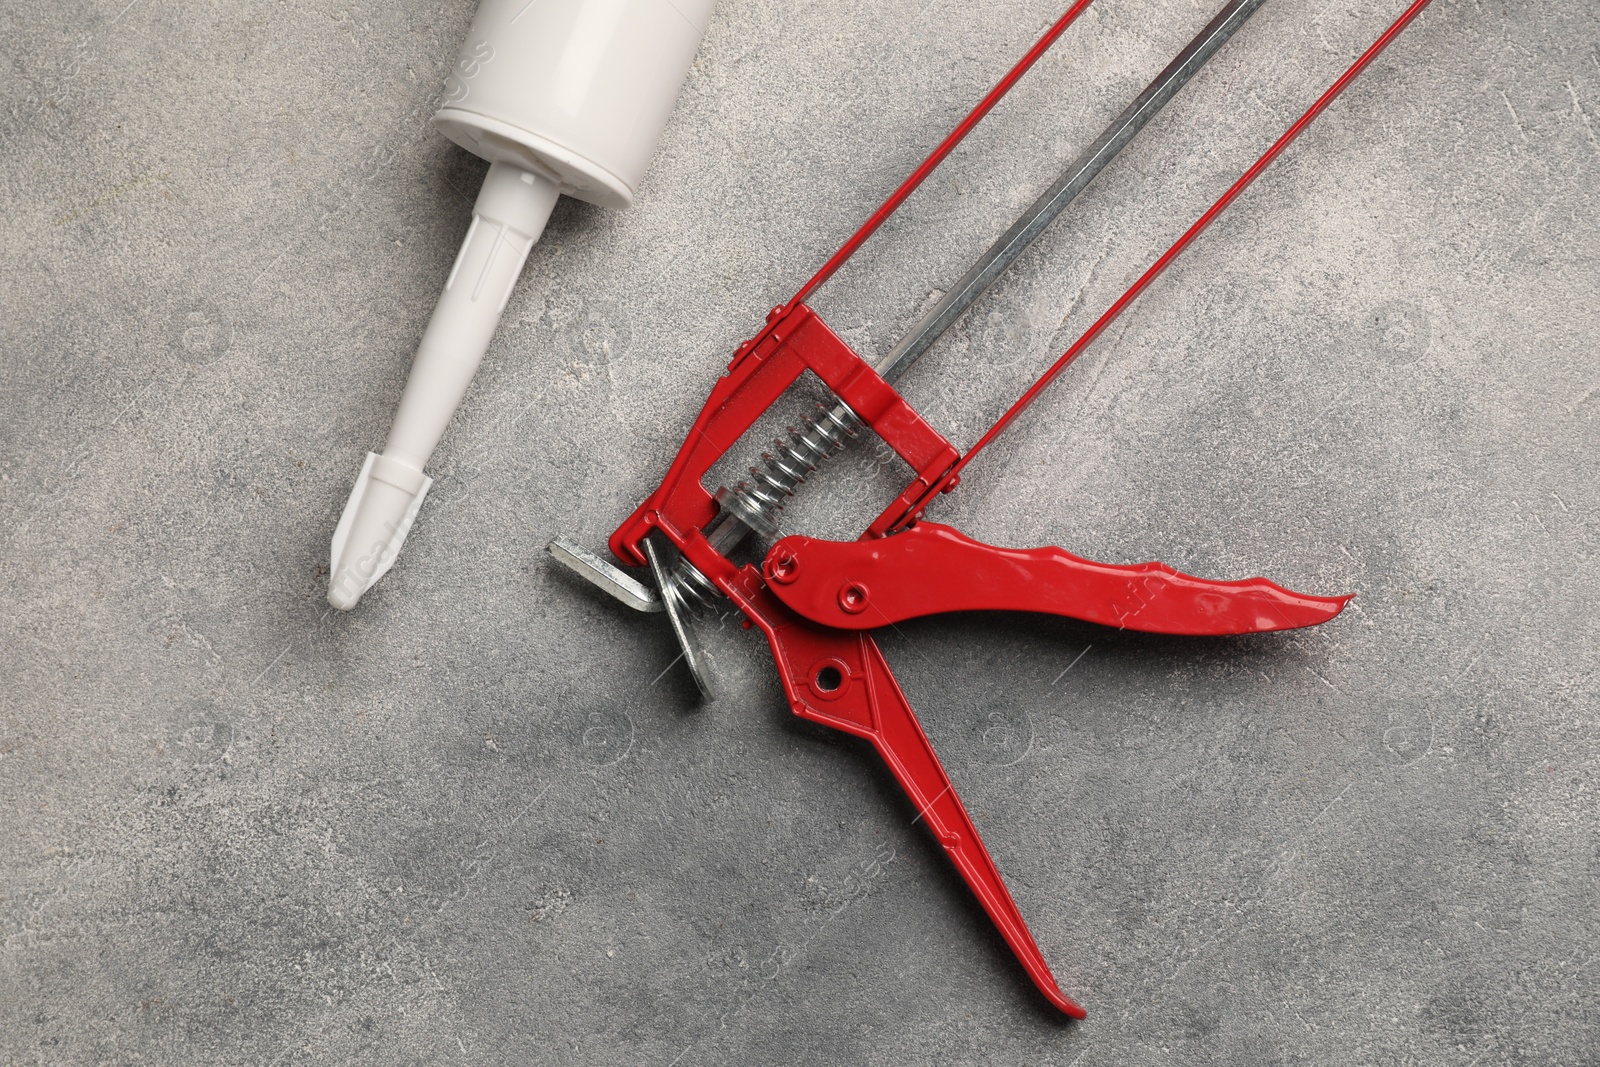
(1073, 181)
(1183, 242)
(927, 167)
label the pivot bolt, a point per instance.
(853, 598)
(783, 568)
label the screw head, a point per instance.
(783, 567)
(853, 598)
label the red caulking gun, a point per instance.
(817, 601)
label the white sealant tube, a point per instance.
(561, 96)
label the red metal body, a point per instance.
(814, 600)
(762, 368)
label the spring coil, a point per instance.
(757, 503)
(695, 592)
(795, 457)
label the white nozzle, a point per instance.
(561, 96)
(507, 219)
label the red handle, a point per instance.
(841, 680)
(932, 569)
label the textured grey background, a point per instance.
(475, 822)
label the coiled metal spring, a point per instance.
(760, 500)
(757, 503)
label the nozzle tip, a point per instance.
(341, 594)
(376, 519)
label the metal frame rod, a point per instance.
(1188, 238)
(1084, 170)
(937, 156)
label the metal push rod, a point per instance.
(1075, 180)
(1189, 236)
(937, 156)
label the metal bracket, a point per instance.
(604, 576)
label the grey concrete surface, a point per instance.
(479, 820)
